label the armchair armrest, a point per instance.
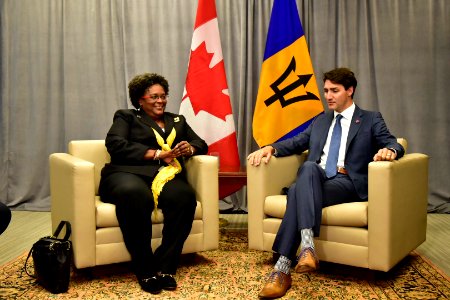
(72, 192)
(265, 180)
(203, 176)
(398, 198)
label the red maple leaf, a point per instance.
(204, 85)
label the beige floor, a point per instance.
(437, 246)
(27, 227)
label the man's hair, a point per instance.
(140, 83)
(342, 76)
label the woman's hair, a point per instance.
(342, 76)
(140, 83)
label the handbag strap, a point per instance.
(60, 227)
(26, 264)
(55, 235)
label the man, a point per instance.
(341, 144)
(5, 217)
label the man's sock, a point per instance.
(307, 238)
(283, 265)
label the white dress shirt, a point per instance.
(345, 124)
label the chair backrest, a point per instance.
(403, 142)
(93, 151)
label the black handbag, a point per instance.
(52, 259)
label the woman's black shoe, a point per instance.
(168, 282)
(151, 284)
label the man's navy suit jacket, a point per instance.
(367, 134)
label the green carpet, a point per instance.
(234, 272)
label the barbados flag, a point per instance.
(288, 98)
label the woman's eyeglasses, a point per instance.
(155, 97)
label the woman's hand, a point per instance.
(183, 148)
(168, 156)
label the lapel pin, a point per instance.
(177, 119)
(357, 121)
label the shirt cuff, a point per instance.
(275, 152)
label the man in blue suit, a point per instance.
(5, 217)
(341, 143)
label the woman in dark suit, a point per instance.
(148, 147)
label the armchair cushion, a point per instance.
(106, 214)
(353, 214)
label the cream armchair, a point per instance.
(375, 234)
(96, 236)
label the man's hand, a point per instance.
(255, 158)
(385, 154)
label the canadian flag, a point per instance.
(206, 102)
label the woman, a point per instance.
(148, 147)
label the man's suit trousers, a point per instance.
(306, 197)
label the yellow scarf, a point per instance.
(168, 172)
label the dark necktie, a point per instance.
(333, 153)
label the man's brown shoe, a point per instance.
(307, 261)
(276, 285)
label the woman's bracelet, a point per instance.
(157, 153)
